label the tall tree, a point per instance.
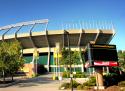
(4, 58)
(65, 60)
(10, 58)
(16, 60)
(121, 56)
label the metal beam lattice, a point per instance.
(43, 21)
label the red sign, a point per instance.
(103, 63)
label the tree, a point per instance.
(121, 56)
(10, 58)
(124, 55)
(65, 58)
(4, 57)
(16, 60)
(75, 58)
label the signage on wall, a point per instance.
(101, 55)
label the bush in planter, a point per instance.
(121, 84)
(68, 85)
(90, 82)
(66, 74)
(87, 85)
(75, 84)
(65, 86)
(77, 75)
(80, 75)
(80, 87)
(83, 75)
(111, 79)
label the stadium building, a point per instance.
(36, 35)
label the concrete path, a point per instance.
(41, 83)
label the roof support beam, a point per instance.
(112, 35)
(97, 35)
(47, 40)
(16, 35)
(63, 38)
(18, 31)
(5, 33)
(33, 44)
(80, 37)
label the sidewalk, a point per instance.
(41, 83)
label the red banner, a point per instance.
(103, 63)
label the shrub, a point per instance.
(80, 87)
(87, 87)
(75, 84)
(121, 84)
(77, 75)
(83, 75)
(80, 75)
(111, 79)
(90, 82)
(66, 74)
(65, 86)
(68, 85)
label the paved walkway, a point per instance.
(41, 83)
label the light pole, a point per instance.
(71, 75)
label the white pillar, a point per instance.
(48, 61)
(82, 66)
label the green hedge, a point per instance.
(65, 86)
(121, 84)
(80, 87)
(87, 85)
(68, 85)
(90, 82)
(66, 74)
(77, 75)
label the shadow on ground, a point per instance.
(43, 79)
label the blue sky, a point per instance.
(14, 11)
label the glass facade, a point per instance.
(43, 60)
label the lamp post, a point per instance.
(71, 75)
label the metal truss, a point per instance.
(43, 21)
